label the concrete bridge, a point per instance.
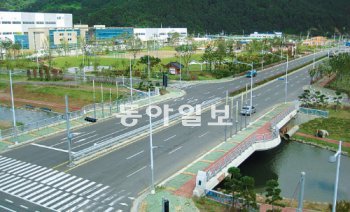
(261, 135)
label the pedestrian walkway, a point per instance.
(56, 190)
(183, 183)
(328, 140)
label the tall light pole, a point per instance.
(13, 109)
(94, 96)
(286, 81)
(151, 142)
(69, 135)
(301, 192)
(313, 64)
(332, 159)
(180, 69)
(130, 72)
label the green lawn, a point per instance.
(337, 125)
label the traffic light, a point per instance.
(165, 80)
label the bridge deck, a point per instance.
(184, 182)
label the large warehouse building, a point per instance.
(15, 25)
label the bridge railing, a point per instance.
(223, 162)
(282, 115)
(315, 112)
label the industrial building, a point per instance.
(15, 26)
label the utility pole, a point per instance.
(237, 117)
(301, 192)
(226, 124)
(148, 64)
(286, 83)
(130, 72)
(110, 101)
(13, 110)
(231, 133)
(102, 103)
(69, 135)
(94, 97)
(151, 143)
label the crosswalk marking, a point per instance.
(43, 194)
(62, 202)
(55, 190)
(24, 188)
(66, 206)
(71, 183)
(49, 197)
(97, 192)
(80, 205)
(35, 176)
(56, 199)
(83, 188)
(46, 175)
(57, 179)
(30, 190)
(77, 185)
(11, 184)
(30, 170)
(36, 192)
(57, 175)
(64, 181)
(18, 186)
(18, 168)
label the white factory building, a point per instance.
(159, 34)
(15, 24)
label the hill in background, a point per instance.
(203, 16)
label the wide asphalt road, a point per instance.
(127, 171)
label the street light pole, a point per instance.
(69, 135)
(286, 83)
(301, 192)
(13, 109)
(151, 142)
(180, 70)
(332, 159)
(94, 96)
(130, 72)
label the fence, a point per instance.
(105, 108)
(314, 112)
(220, 164)
(97, 147)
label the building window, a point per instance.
(69, 34)
(28, 22)
(39, 22)
(16, 22)
(61, 34)
(6, 22)
(69, 39)
(50, 22)
(7, 33)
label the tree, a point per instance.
(174, 38)
(134, 45)
(209, 56)
(234, 182)
(273, 193)
(342, 206)
(247, 192)
(186, 52)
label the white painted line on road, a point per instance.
(171, 152)
(124, 204)
(134, 155)
(131, 198)
(171, 137)
(8, 209)
(7, 200)
(211, 96)
(136, 171)
(203, 135)
(23, 206)
(49, 147)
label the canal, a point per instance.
(286, 161)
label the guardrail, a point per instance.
(309, 111)
(98, 147)
(56, 120)
(220, 164)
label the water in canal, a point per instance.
(289, 159)
(24, 116)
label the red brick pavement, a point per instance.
(323, 139)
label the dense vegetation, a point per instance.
(203, 16)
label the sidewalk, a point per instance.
(80, 122)
(328, 140)
(181, 184)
